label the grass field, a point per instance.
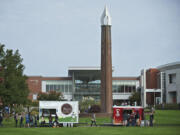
(161, 117)
(92, 131)
(167, 117)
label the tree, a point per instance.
(135, 97)
(13, 86)
(86, 103)
(51, 96)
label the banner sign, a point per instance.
(66, 111)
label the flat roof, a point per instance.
(88, 73)
(127, 107)
(169, 65)
(84, 68)
(43, 78)
(126, 78)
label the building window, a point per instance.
(34, 96)
(70, 87)
(66, 88)
(51, 87)
(47, 88)
(172, 78)
(133, 88)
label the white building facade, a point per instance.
(170, 82)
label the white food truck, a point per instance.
(67, 111)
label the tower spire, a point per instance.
(105, 18)
(106, 63)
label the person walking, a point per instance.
(151, 117)
(93, 120)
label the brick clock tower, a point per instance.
(106, 63)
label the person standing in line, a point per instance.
(21, 120)
(133, 121)
(137, 118)
(50, 120)
(27, 120)
(31, 121)
(151, 119)
(42, 120)
(35, 120)
(128, 120)
(1, 119)
(125, 117)
(56, 123)
(16, 119)
(93, 120)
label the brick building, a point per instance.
(83, 82)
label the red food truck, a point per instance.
(119, 113)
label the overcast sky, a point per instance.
(53, 35)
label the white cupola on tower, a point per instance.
(105, 18)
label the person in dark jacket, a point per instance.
(50, 121)
(27, 120)
(16, 119)
(125, 117)
(56, 123)
(35, 120)
(128, 120)
(151, 117)
(1, 119)
(21, 120)
(133, 121)
(137, 118)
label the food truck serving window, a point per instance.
(128, 111)
(47, 112)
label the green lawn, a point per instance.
(92, 131)
(167, 117)
(161, 117)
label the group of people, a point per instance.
(52, 123)
(30, 120)
(131, 119)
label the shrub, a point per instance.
(34, 111)
(18, 109)
(51, 96)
